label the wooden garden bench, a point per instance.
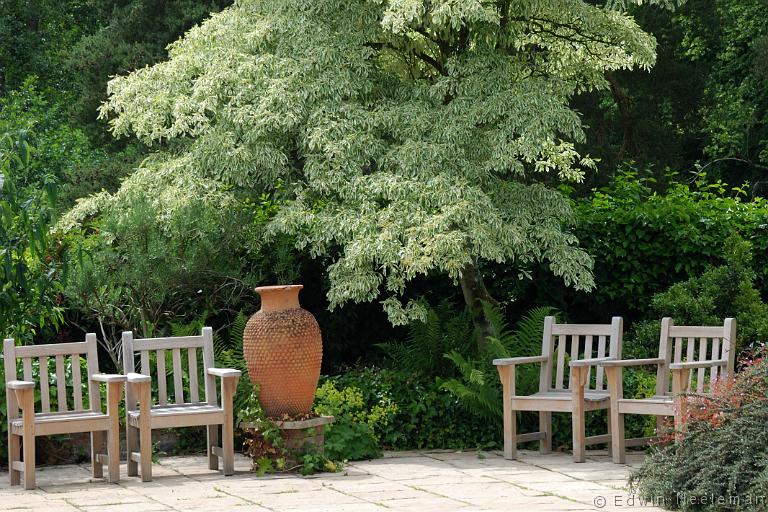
(576, 391)
(187, 409)
(80, 417)
(708, 350)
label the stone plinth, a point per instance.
(300, 436)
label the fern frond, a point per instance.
(192, 328)
(476, 377)
(496, 318)
(495, 349)
(481, 400)
(395, 351)
(465, 367)
(427, 341)
(237, 330)
(476, 388)
(530, 329)
(460, 333)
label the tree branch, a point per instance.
(427, 59)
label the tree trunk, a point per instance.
(628, 117)
(475, 293)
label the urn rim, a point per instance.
(277, 287)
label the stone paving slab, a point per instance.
(423, 481)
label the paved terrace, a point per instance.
(408, 481)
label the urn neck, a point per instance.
(278, 298)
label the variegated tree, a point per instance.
(413, 136)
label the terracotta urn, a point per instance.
(283, 349)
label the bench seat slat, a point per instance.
(64, 423)
(179, 415)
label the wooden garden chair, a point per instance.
(576, 391)
(81, 417)
(708, 350)
(187, 409)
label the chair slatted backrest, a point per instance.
(57, 355)
(179, 356)
(686, 343)
(568, 342)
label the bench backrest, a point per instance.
(179, 355)
(38, 357)
(566, 342)
(688, 343)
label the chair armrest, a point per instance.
(698, 364)
(24, 393)
(143, 390)
(576, 363)
(138, 378)
(613, 363)
(20, 384)
(108, 377)
(224, 373)
(519, 360)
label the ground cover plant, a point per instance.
(269, 450)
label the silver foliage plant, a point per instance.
(411, 136)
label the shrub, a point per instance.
(643, 240)
(354, 435)
(720, 292)
(399, 410)
(30, 276)
(59, 148)
(721, 454)
(161, 250)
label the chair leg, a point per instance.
(618, 444)
(14, 454)
(509, 416)
(616, 389)
(145, 431)
(579, 437)
(25, 398)
(228, 449)
(113, 452)
(510, 431)
(131, 443)
(680, 381)
(545, 427)
(213, 440)
(228, 427)
(113, 434)
(610, 437)
(145, 449)
(29, 456)
(97, 444)
(578, 378)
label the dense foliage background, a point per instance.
(105, 234)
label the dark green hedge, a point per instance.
(643, 241)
